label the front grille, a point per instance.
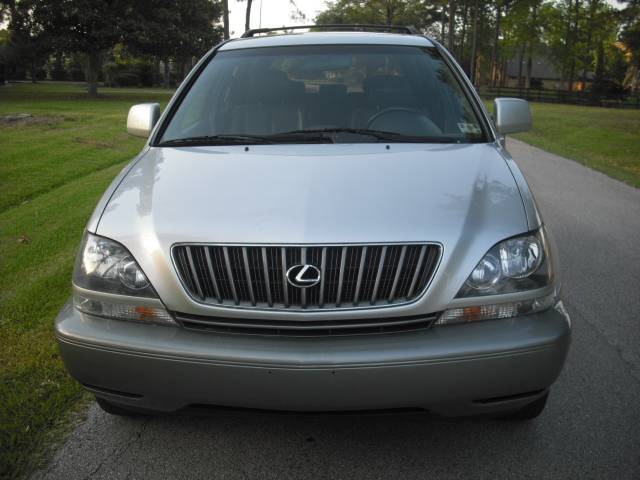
(353, 276)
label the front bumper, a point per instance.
(454, 370)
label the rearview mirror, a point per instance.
(511, 115)
(142, 118)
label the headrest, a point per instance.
(271, 86)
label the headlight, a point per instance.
(104, 267)
(520, 257)
(513, 265)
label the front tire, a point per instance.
(528, 412)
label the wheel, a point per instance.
(119, 410)
(528, 412)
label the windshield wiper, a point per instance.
(319, 135)
(205, 140)
(379, 135)
(247, 139)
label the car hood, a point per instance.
(462, 196)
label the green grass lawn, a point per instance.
(53, 169)
(605, 139)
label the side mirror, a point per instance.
(142, 118)
(511, 115)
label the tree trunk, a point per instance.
(600, 63)
(32, 68)
(183, 69)
(593, 4)
(58, 67)
(247, 16)
(496, 38)
(520, 62)
(167, 74)
(452, 24)
(567, 44)
(225, 18)
(532, 36)
(463, 34)
(443, 22)
(502, 73)
(474, 44)
(482, 77)
(94, 64)
(527, 80)
(155, 75)
(574, 34)
(390, 12)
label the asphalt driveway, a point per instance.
(590, 429)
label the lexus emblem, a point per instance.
(303, 276)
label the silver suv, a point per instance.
(319, 221)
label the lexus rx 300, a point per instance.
(320, 221)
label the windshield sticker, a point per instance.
(469, 128)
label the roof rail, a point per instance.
(347, 27)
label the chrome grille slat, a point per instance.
(230, 275)
(378, 275)
(343, 259)
(265, 267)
(248, 273)
(417, 272)
(323, 264)
(285, 285)
(363, 256)
(409, 265)
(303, 291)
(397, 275)
(212, 274)
(352, 276)
(195, 276)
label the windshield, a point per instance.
(325, 93)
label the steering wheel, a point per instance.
(404, 120)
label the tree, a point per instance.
(452, 23)
(30, 42)
(173, 31)
(91, 27)
(416, 13)
(534, 38)
(496, 43)
(474, 44)
(296, 15)
(4, 51)
(574, 39)
(247, 16)
(225, 18)
(630, 42)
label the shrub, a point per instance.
(126, 79)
